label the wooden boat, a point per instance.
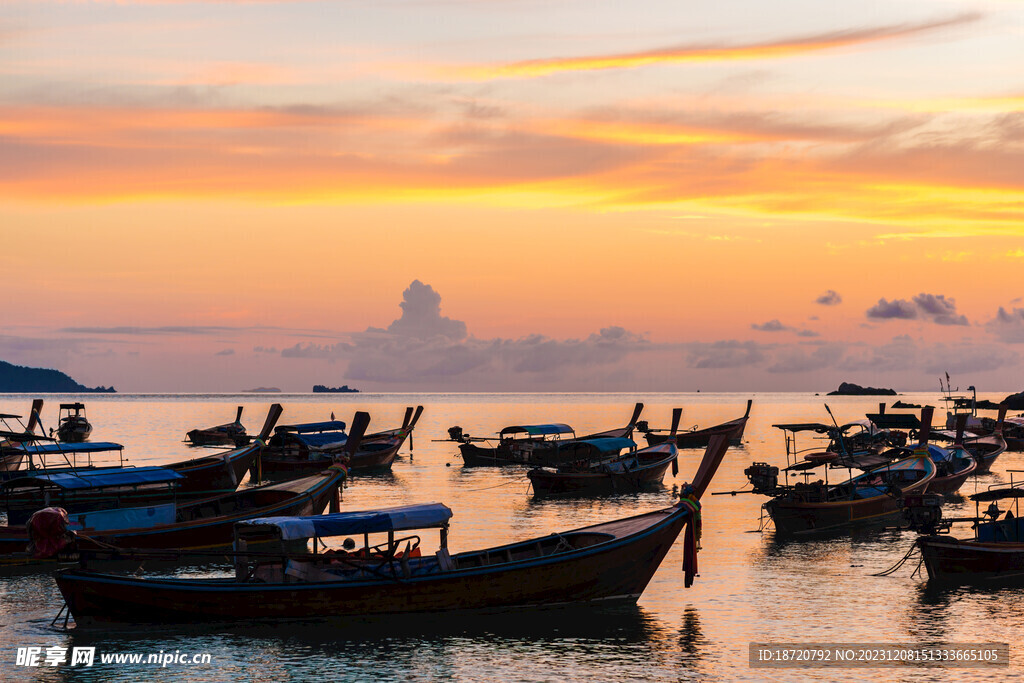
(867, 499)
(629, 472)
(698, 438)
(952, 465)
(199, 524)
(863, 500)
(224, 471)
(231, 434)
(12, 456)
(994, 556)
(72, 425)
(82, 488)
(311, 447)
(543, 445)
(611, 561)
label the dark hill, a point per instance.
(19, 379)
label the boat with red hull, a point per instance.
(698, 438)
(610, 561)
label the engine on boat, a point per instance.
(455, 434)
(923, 512)
(763, 477)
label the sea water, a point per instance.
(751, 588)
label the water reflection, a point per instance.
(506, 645)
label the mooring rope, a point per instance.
(893, 569)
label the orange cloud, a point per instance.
(709, 53)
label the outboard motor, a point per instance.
(48, 532)
(642, 427)
(763, 477)
(923, 512)
(455, 434)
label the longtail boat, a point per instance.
(311, 447)
(229, 434)
(632, 471)
(543, 445)
(13, 436)
(224, 471)
(610, 561)
(83, 488)
(698, 438)
(72, 424)
(199, 524)
(994, 556)
(952, 465)
(863, 500)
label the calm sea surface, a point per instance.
(750, 589)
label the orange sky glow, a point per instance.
(528, 199)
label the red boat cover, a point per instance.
(48, 532)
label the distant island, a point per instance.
(263, 390)
(343, 389)
(902, 404)
(848, 389)
(22, 380)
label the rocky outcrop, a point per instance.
(848, 389)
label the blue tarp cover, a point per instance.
(423, 516)
(330, 425)
(606, 444)
(537, 430)
(100, 478)
(320, 440)
(57, 448)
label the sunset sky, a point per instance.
(507, 195)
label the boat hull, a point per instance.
(795, 516)
(206, 527)
(618, 569)
(554, 482)
(953, 561)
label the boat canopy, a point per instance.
(72, 406)
(806, 427)
(999, 494)
(318, 440)
(936, 453)
(424, 516)
(58, 448)
(538, 430)
(894, 420)
(99, 478)
(327, 426)
(602, 445)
